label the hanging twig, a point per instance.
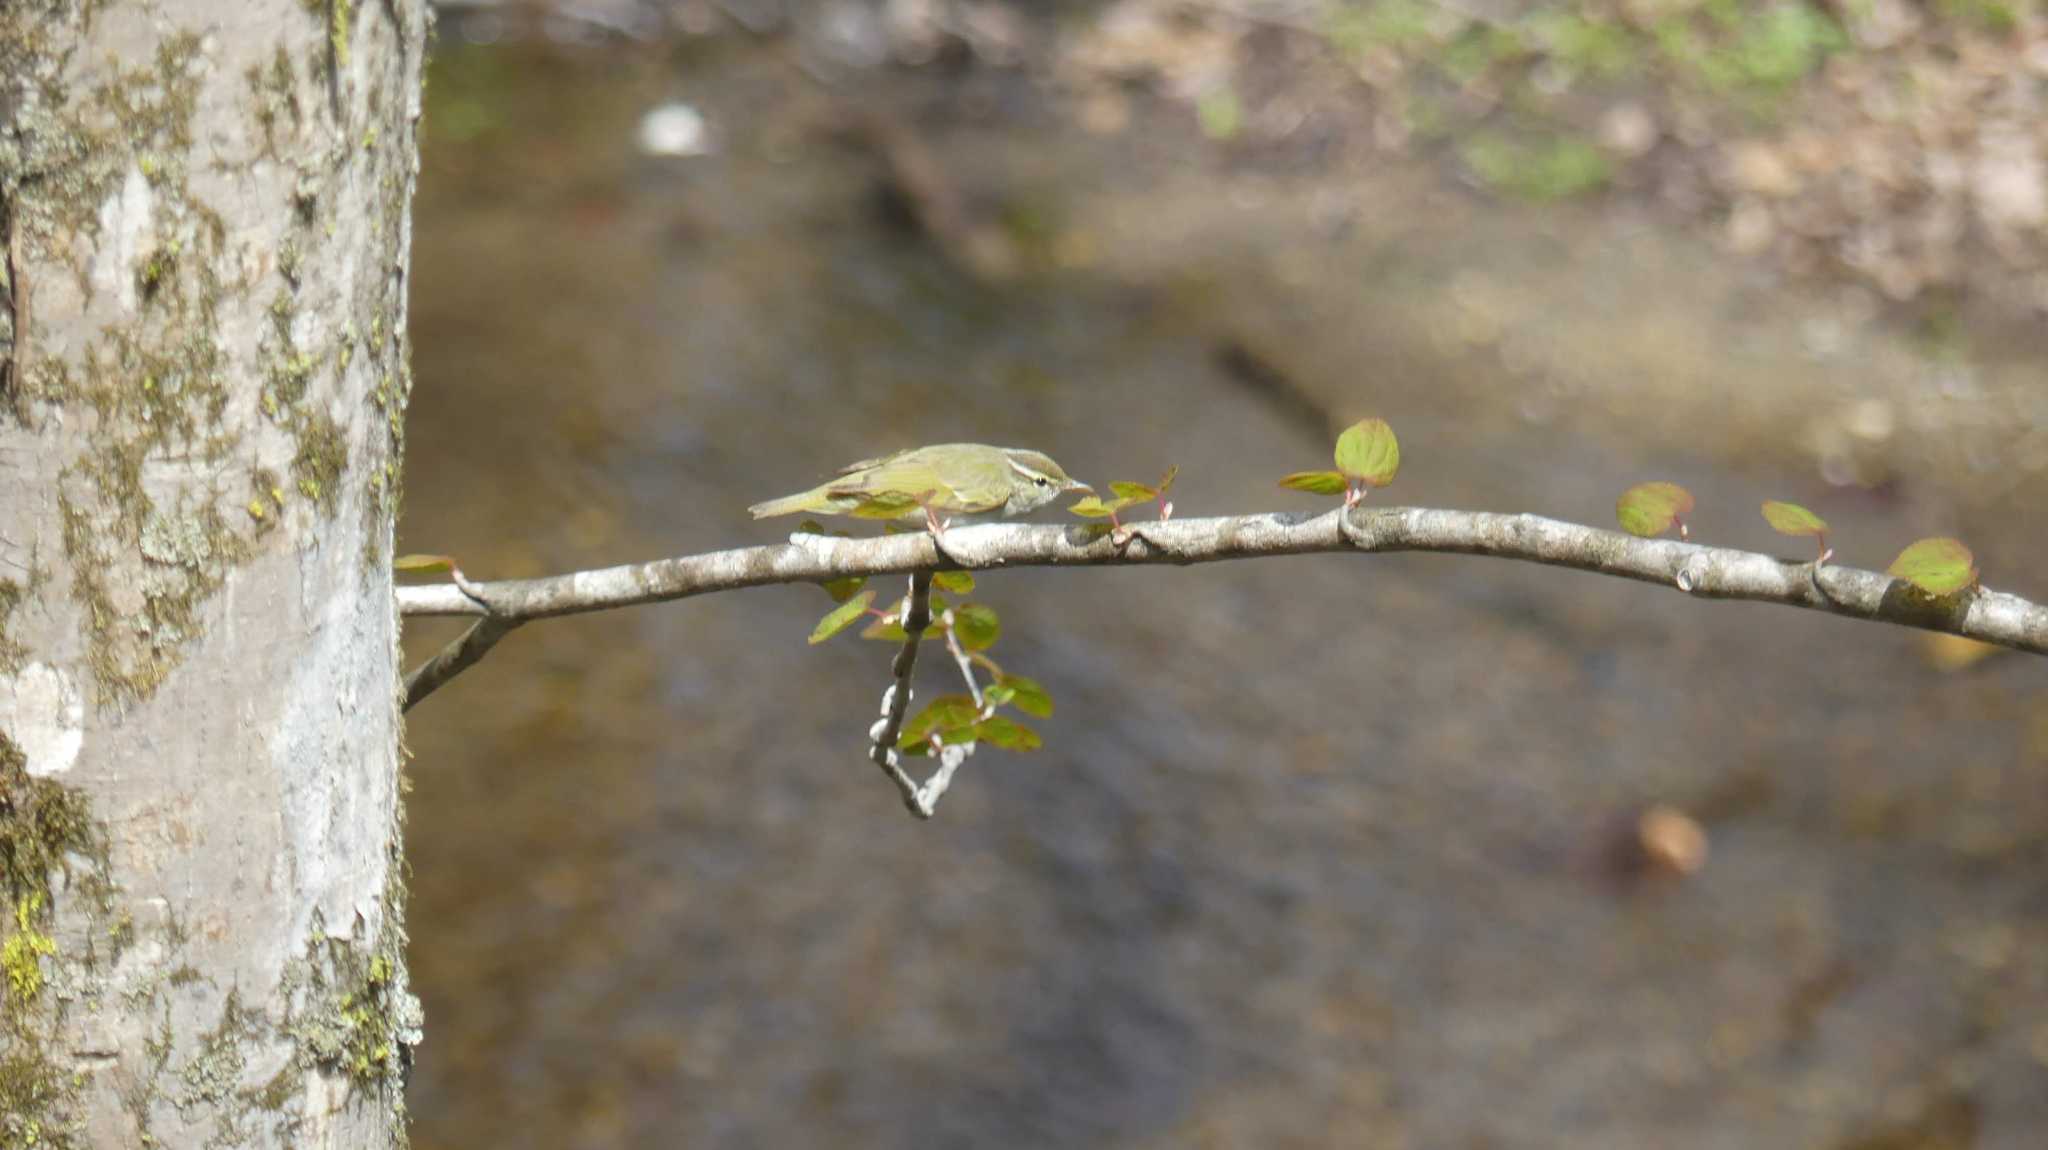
(917, 617)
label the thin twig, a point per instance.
(1703, 572)
(457, 657)
(917, 616)
(966, 665)
(950, 756)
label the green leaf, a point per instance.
(958, 582)
(1132, 492)
(1368, 451)
(1792, 519)
(1649, 509)
(946, 715)
(1939, 566)
(842, 617)
(1029, 697)
(947, 737)
(999, 695)
(890, 626)
(1007, 734)
(1095, 508)
(810, 527)
(977, 626)
(423, 564)
(1315, 482)
(843, 589)
(1166, 480)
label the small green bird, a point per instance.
(964, 478)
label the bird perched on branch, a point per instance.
(937, 482)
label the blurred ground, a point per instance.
(1901, 144)
(1320, 852)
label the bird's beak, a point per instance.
(1077, 485)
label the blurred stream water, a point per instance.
(1320, 851)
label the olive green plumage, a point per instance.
(937, 481)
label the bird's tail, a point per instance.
(787, 505)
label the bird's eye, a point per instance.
(1041, 480)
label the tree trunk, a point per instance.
(202, 379)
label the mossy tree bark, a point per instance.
(203, 219)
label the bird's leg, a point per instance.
(934, 523)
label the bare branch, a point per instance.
(960, 657)
(917, 616)
(921, 800)
(456, 657)
(1703, 572)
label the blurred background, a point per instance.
(1401, 851)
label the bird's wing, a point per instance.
(877, 461)
(909, 475)
(893, 474)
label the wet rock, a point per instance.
(914, 30)
(1628, 129)
(2008, 183)
(994, 31)
(1105, 111)
(1750, 227)
(846, 33)
(1881, 23)
(1759, 169)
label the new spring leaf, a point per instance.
(842, 617)
(1315, 482)
(1792, 519)
(1007, 734)
(951, 717)
(1649, 509)
(977, 626)
(843, 589)
(1028, 696)
(1939, 566)
(1368, 452)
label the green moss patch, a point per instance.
(1544, 168)
(353, 1013)
(42, 823)
(35, 1100)
(44, 826)
(12, 654)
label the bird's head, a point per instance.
(1036, 480)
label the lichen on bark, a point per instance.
(12, 653)
(45, 827)
(208, 393)
(108, 166)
